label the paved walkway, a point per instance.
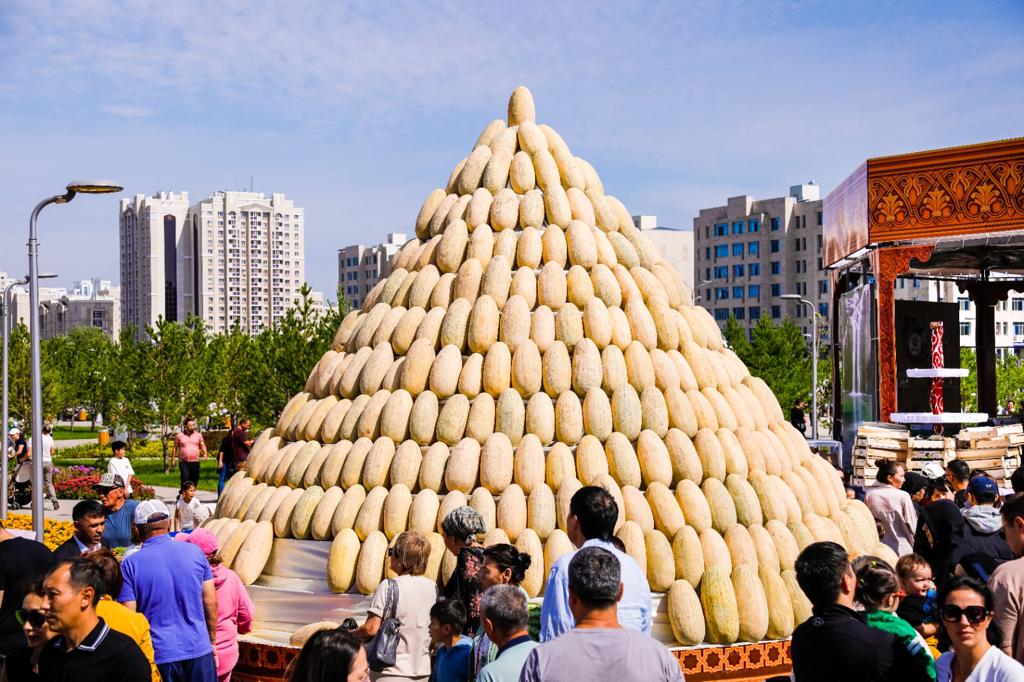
(168, 495)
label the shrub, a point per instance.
(80, 487)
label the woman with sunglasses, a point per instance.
(503, 565)
(23, 663)
(965, 607)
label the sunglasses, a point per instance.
(952, 614)
(36, 619)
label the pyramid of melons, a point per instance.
(528, 342)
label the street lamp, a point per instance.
(73, 188)
(698, 286)
(5, 312)
(814, 359)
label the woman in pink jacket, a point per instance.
(234, 607)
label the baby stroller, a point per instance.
(19, 489)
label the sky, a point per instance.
(356, 111)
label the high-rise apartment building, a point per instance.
(360, 266)
(750, 252)
(234, 258)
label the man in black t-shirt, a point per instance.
(241, 442)
(21, 562)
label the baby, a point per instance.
(919, 606)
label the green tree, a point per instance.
(84, 360)
(20, 377)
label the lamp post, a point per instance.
(5, 307)
(82, 187)
(814, 359)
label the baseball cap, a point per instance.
(150, 511)
(933, 470)
(201, 538)
(982, 484)
(110, 481)
(14, 432)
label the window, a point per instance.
(822, 286)
(737, 293)
(737, 270)
(707, 273)
(776, 290)
(707, 232)
(776, 267)
(819, 263)
(738, 313)
(721, 251)
(737, 227)
(754, 291)
(754, 248)
(965, 303)
(721, 229)
(722, 293)
(965, 329)
(721, 272)
(755, 269)
(753, 225)
(917, 283)
(737, 249)
(1018, 328)
(754, 312)
(707, 252)
(721, 314)
(1016, 304)
(773, 246)
(819, 217)
(776, 312)
(775, 224)
(823, 308)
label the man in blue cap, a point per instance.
(984, 546)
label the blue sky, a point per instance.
(356, 111)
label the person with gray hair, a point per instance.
(598, 647)
(460, 530)
(504, 613)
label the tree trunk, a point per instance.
(165, 432)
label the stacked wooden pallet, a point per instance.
(875, 441)
(993, 449)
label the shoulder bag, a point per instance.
(382, 650)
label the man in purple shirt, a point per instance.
(172, 585)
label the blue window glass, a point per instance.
(738, 313)
(721, 314)
(754, 225)
(774, 246)
(737, 292)
(707, 252)
(754, 248)
(1018, 328)
(754, 291)
(737, 249)
(755, 269)
(737, 270)
(776, 267)
(721, 272)
(721, 251)
(776, 290)
(776, 312)
(754, 312)
(707, 273)
(823, 309)
(721, 229)
(775, 224)
(737, 228)
(823, 286)
(721, 293)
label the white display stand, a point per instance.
(944, 418)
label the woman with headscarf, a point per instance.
(460, 530)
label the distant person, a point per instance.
(598, 647)
(878, 591)
(1011, 408)
(23, 663)
(89, 520)
(1007, 582)
(965, 606)
(958, 475)
(983, 547)
(591, 523)
(19, 447)
(188, 448)
(798, 416)
(120, 465)
(241, 443)
(47, 451)
(893, 507)
(460, 531)
(504, 612)
(115, 614)
(21, 561)
(331, 656)
(172, 585)
(188, 510)
(503, 565)
(451, 663)
(836, 644)
(120, 511)
(86, 648)
(1017, 480)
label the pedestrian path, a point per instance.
(167, 494)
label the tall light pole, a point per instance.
(82, 187)
(5, 306)
(814, 359)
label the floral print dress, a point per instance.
(464, 585)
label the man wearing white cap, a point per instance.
(117, 530)
(172, 585)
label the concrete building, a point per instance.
(97, 304)
(360, 266)
(674, 245)
(234, 258)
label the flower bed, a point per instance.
(76, 482)
(55, 533)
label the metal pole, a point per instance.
(37, 379)
(814, 373)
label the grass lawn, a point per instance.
(151, 471)
(65, 433)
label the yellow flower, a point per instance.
(55, 532)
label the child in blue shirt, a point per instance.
(447, 619)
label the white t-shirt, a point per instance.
(121, 466)
(416, 594)
(189, 513)
(47, 448)
(994, 666)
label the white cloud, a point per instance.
(127, 111)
